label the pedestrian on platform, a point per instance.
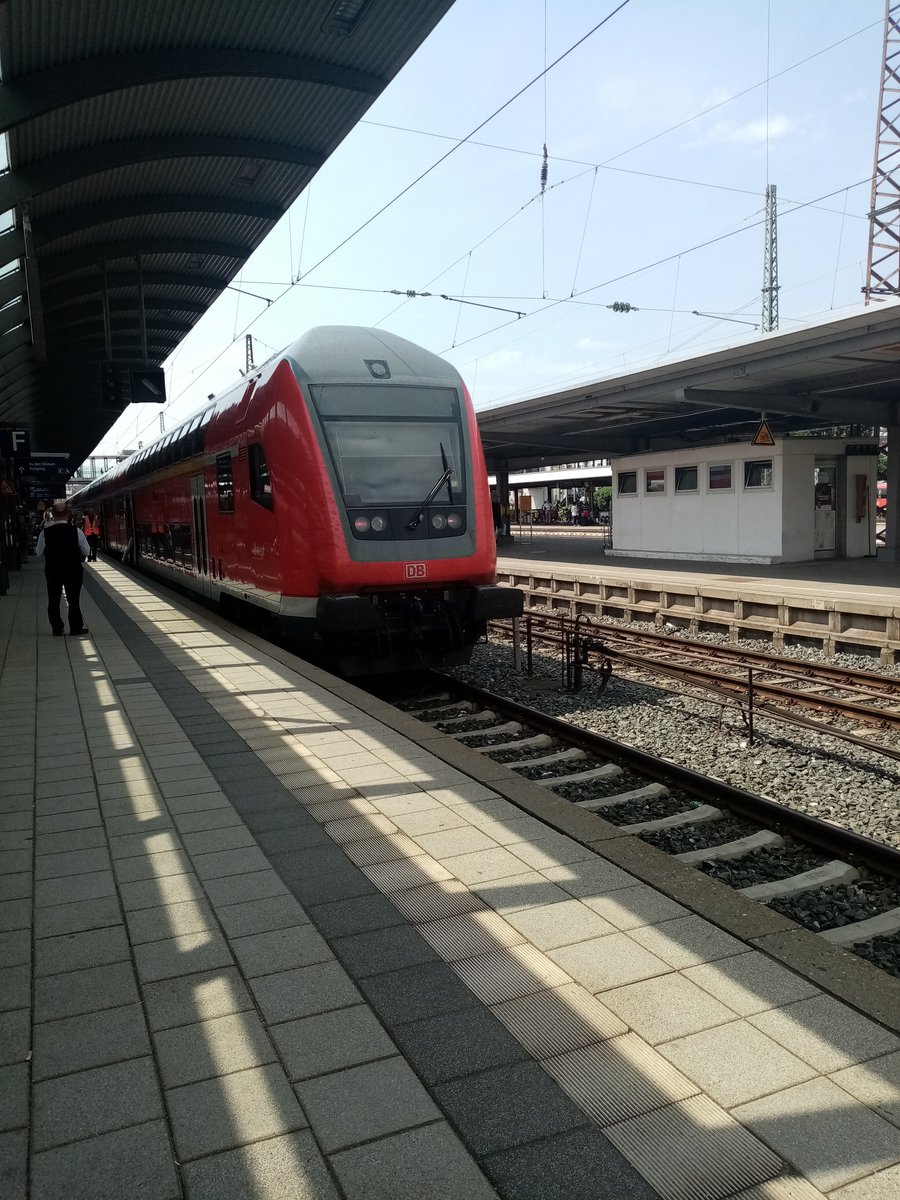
(92, 534)
(63, 549)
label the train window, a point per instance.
(225, 483)
(685, 479)
(758, 473)
(720, 477)
(627, 483)
(260, 483)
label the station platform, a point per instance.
(836, 604)
(267, 937)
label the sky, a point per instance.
(663, 128)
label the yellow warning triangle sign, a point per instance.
(6, 488)
(763, 435)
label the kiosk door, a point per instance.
(825, 479)
(201, 548)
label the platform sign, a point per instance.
(46, 491)
(763, 435)
(47, 466)
(148, 385)
(15, 444)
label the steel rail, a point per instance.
(833, 839)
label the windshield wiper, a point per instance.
(444, 478)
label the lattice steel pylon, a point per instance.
(883, 269)
(770, 264)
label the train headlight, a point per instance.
(454, 521)
(438, 521)
(361, 524)
(379, 524)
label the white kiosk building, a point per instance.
(799, 499)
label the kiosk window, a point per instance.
(628, 483)
(758, 473)
(655, 482)
(225, 483)
(685, 479)
(260, 483)
(720, 478)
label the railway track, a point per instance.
(838, 883)
(771, 684)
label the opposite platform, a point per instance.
(268, 937)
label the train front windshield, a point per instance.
(390, 446)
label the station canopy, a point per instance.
(152, 145)
(845, 372)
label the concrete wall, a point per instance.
(774, 523)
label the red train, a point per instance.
(340, 493)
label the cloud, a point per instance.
(500, 360)
(751, 133)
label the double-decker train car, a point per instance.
(340, 492)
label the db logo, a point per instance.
(415, 570)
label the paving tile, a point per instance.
(450, 842)
(237, 1109)
(666, 1007)
(289, 1167)
(517, 892)
(169, 920)
(750, 983)
(876, 1083)
(205, 819)
(152, 866)
(151, 893)
(16, 886)
(64, 822)
(365, 1102)
(507, 1106)
(826, 1033)
(403, 874)
(186, 999)
(15, 947)
(608, 962)
(240, 889)
(88, 990)
(15, 986)
(552, 925)
(91, 886)
(692, 1149)
(16, 914)
(383, 950)
(789, 1186)
(484, 865)
(185, 955)
(345, 917)
(429, 1162)
(509, 972)
(89, 838)
(148, 841)
(211, 1048)
(469, 934)
(73, 951)
(406, 802)
(300, 834)
(569, 1166)
(884, 1185)
(416, 992)
(594, 877)
(388, 848)
(831, 1138)
(556, 1020)
(94, 1102)
(456, 1044)
(331, 1041)
(618, 1078)
(734, 1063)
(280, 950)
(290, 995)
(89, 1040)
(631, 907)
(126, 1162)
(14, 1096)
(261, 916)
(687, 941)
(78, 916)
(429, 820)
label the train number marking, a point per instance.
(417, 570)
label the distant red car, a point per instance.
(339, 493)
(880, 498)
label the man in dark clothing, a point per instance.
(63, 548)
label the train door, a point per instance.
(825, 513)
(201, 547)
(131, 537)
